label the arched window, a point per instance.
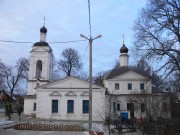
(38, 68)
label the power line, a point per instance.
(59, 42)
(10, 41)
(62, 42)
(84, 53)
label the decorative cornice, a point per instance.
(70, 93)
(55, 93)
(65, 88)
(85, 93)
(30, 97)
(39, 80)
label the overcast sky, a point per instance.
(20, 20)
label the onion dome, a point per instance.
(41, 44)
(124, 49)
(43, 29)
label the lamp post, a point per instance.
(90, 76)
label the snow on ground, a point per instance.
(28, 132)
(95, 126)
(4, 121)
(2, 110)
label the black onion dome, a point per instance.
(41, 44)
(43, 29)
(124, 49)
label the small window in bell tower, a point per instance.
(38, 68)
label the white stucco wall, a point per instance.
(45, 55)
(124, 59)
(44, 100)
(124, 79)
(44, 106)
(28, 106)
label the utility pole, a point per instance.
(90, 76)
(90, 39)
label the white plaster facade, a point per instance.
(128, 77)
(42, 91)
(69, 88)
(40, 70)
(124, 59)
(123, 84)
(129, 87)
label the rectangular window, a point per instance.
(116, 86)
(142, 107)
(128, 106)
(129, 86)
(164, 107)
(70, 106)
(114, 107)
(34, 107)
(85, 106)
(54, 106)
(141, 86)
(118, 107)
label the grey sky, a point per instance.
(66, 20)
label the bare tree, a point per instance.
(143, 65)
(13, 75)
(1, 76)
(109, 113)
(98, 79)
(70, 61)
(83, 76)
(22, 66)
(55, 70)
(116, 64)
(157, 34)
(150, 105)
(173, 83)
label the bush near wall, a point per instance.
(48, 127)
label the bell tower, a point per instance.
(124, 57)
(41, 58)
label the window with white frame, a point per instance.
(116, 86)
(54, 106)
(129, 86)
(85, 106)
(34, 107)
(141, 86)
(70, 106)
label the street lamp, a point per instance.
(90, 76)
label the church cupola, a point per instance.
(124, 49)
(43, 32)
(124, 57)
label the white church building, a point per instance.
(131, 94)
(68, 98)
(65, 99)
